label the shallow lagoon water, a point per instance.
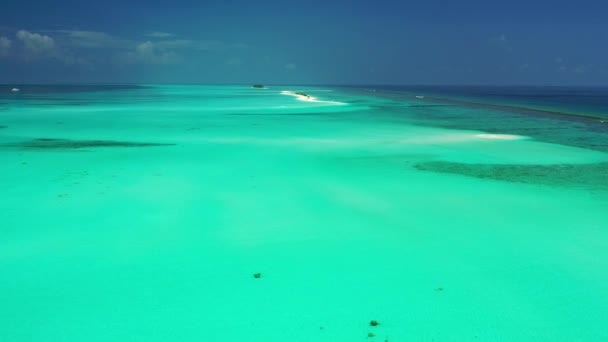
(142, 214)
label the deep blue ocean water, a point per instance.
(586, 101)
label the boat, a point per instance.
(15, 90)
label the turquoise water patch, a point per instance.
(323, 199)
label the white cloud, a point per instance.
(159, 35)
(212, 45)
(165, 51)
(94, 47)
(174, 44)
(5, 46)
(150, 53)
(36, 43)
(90, 39)
(39, 46)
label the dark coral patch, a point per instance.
(589, 176)
(53, 144)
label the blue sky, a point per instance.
(533, 42)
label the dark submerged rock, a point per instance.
(374, 323)
(587, 176)
(257, 275)
(259, 86)
(55, 144)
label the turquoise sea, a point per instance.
(142, 213)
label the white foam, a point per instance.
(457, 137)
(500, 136)
(309, 98)
(441, 138)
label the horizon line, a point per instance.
(312, 84)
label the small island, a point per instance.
(259, 86)
(303, 94)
